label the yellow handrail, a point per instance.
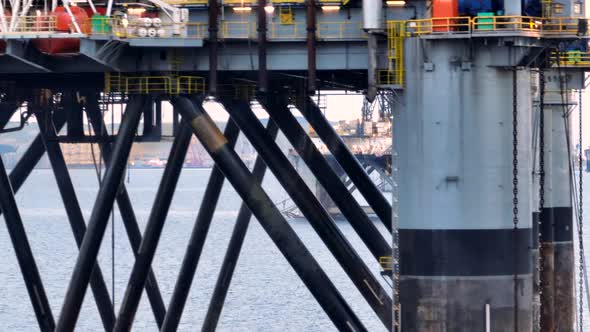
(168, 85)
(386, 263)
(35, 25)
(278, 31)
(571, 58)
(340, 30)
(238, 29)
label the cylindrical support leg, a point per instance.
(365, 228)
(213, 9)
(558, 202)
(197, 239)
(458, 241)
(76, 218)
(347, 160)
(24, 255)
(235, 246)
(75, 114)
(153, 229)
(311, 46)
(100, 216)
(270, 218)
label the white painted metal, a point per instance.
(373, 15)
(454, 139)
(14, 18)
(69, 10)
(109, 8)
(488, 322)
(3, 23)
(91, 4)
(557, 181)
(513, 8)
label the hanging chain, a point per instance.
(515, 189)
(580, 216)
(541, 170)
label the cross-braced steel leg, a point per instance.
(347, 160)
(6, 112)
(154, 228)
(100, 216)
(30, 158)
(197, 239)
(312, 209)
(24, 255)
(64, 183)
(235, 245)
(325, 175)
(269, 217)
(126, 210)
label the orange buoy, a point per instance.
(63, 23)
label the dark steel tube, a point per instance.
(148, 119)
(269, 217)
(75, 115)
(30, 158)
(153, 229)
(24, 255)
(7, 110)
(324, 173)
(76, 218)
(213, 45)
(311, 47)
(127, 214)
(100, 216)
(197, 239)
(262, 70)
(347, 160)
(158, 111)
(314, 212)
(235, 246)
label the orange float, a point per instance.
(63, 23)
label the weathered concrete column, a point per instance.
(461, 257)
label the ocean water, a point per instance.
(265, 295)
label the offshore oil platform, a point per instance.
(480, 228)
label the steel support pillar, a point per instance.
(197, 239)
(153, 229)
(326, 176)
(6, 112)
(310, 9)
(100, 216)
(24, 254)
(212, 44)
(126, 210)
(30, 158)
(312, 209)
(465, 242)
(74, 114)
(235, 245)
(75, 216)
(557, 212)
(347, 160)
(270, 217)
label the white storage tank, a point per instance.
(373, 15)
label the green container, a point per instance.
(483, 18)
(100, 24)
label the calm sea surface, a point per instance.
(265, 295)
